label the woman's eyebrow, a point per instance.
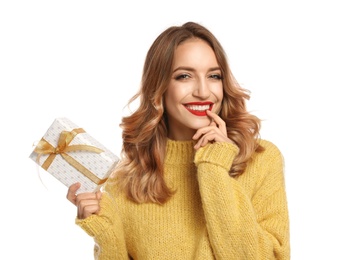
(184, 68)
(192, 69)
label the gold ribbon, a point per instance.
(63, 147)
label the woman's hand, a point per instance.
(216, 131)
(87, 203)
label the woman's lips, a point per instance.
(199, 109)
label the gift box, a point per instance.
(72, 155)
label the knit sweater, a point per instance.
(211, 215)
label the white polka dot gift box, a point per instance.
(71, 155)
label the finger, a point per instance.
(87, 208)
(202, 131)
(205, 130)
(99, 195)
(71, 193)
(210, 137)
(219, 121)
(204, 140)
(86, 196)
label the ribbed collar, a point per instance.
(179, 152)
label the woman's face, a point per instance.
(195, 86)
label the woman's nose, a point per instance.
(202, 89)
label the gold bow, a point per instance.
(63, 147)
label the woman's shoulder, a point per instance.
(271, 150)
(269, 145)
(268, 163)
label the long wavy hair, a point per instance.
(144, 132)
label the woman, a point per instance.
(195, 180)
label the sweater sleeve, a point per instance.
(107, 230)
(244, 224)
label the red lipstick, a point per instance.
(199, 108)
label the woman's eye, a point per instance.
(216, 76)
(182, 76)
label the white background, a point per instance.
(83, 60)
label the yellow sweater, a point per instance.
(211, 215)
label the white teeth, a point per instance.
(197, 107)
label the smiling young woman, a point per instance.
(195, 87)
(195, 180)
